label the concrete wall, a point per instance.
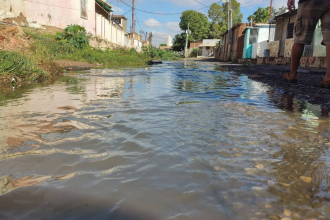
(57, 13)
(319, 50)
(237, 44)
(282, 25)
(273, 48)
(288, 47)
(255, 48)
(195, 44)
(263, 47)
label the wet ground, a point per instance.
(184, 140)
(308, 86)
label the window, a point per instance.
(253, 36)
(83, 9)
(289, 31)
(207, 48)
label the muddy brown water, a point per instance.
(174, 141)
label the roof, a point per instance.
(105, 5)
(207, 45)
(287, 14)
(235, 26)
(119, 16)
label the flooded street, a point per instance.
(175, 141)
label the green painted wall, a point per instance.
(318, 49)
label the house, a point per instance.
(120, 20)
(195, 44)
(256, 40)
(285, 34)
(165, 48)
(207, 48)
(236, 46)
(94, 15)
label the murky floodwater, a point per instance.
(176, 141)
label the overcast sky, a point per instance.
(163, 25)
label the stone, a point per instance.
(258, 188)
(268, 206)
(287, 213)
(259, 166)
(306, 179)
(296, 215)
(286, 219)
(273, 217)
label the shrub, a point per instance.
(74, 35)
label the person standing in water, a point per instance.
(309, 13)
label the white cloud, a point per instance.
(159, 37)
(185, 3)
(152, 23)
(117, 10)
(173, 26)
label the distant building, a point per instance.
(120, 20)
(93, 15)
(256, 40)
(165, 48)
(207, 48)
(195, 44)
(169, 41)
(237, 43)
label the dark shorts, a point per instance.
(309, 13)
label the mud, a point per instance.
(307, 88)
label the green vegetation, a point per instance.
(163, 45)
(159, 54)
(74, 35)
(261, 15)
(15, 67)
(194, 53)
(37, 61)
(199, 26)
(219, 16)
(48, 46)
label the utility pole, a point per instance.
(133, 23)
(270, 18)
(186, 49)
(230, 23)
(150, 39)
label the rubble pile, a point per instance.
(12, 38)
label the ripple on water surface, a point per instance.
(176, 141)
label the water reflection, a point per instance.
(175, 141)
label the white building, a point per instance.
(169, 41)
(207, 48)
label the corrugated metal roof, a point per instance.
(207, 45)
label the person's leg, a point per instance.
(296, 54)
(327, 76)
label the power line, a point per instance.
(200, 3)
(149, 12)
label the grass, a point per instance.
(47, 46)
(36, 63)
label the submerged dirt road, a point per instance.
(181, 140)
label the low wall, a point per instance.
(102, 44)
(316, 62)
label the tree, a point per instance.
(179, 42)
(199, 25)
(219, 15)
(215, 31)
(163, 45)
(261, 15)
